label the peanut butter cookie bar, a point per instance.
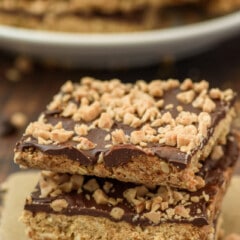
(68, 206)
(85, 15)
(157, 133)
(76, 21)
(109, 15)
(87, 6)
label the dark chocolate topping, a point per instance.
(78, 204)
(66, 150)
(121, 155)
(111, 155)
(172, 155)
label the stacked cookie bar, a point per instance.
(145, 161)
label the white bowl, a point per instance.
(120, 50)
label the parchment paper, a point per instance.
(19, 185)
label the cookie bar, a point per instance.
(86, 16)
(67, 206)
(108, 16)
(86, 6)
(145, 19)
(156, 133)
(216, 7)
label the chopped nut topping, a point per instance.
(91, 185)
(146, 109)
(186, 118)
(107, 137)
(151, 114)
(59, 204)
(204, 120)
(179, 108)
(160, 103)
(107, 186)
(142, 85)
(137, 137)
(117, 213)
(81, 129)
(105, 121)
(157, 123)
(155, 88)
(35, 126)
(128, 118)
(170, 212)
(208, 105)
(199, 211)
(215, 93)
(85, 144)
(155, 203)
(67, 87)
(195, 199)
(77, 181)
(182, 211)
(118, 137)
(205, 196)
(88, 113)
(228, 95)
(56, 103)
(169, 106)
(154, 217)
(69, 110)
(201, 86)
(61, 135)
(167, 118)
(199, 100)
(46, 188)
(186, 97)
(43, 141)
(100, 197)
(186, 85)
(42, 134)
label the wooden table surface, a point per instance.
(29, 95)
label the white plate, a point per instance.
(120, 50)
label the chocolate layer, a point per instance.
(83, 203)
(121, 154)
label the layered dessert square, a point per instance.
(109, 15)
(157, 133)
(78, 207)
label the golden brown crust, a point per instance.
(56, 227)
